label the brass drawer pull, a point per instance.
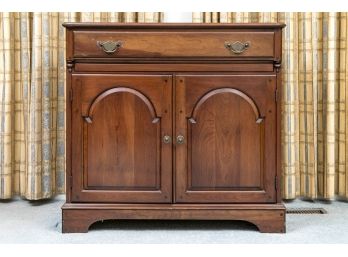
(109, 47)
(237, 47)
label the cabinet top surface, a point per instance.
(116, 25)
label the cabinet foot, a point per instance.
(277, 226)
(76, 225)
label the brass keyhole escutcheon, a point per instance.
(180, 139)
(167, 139)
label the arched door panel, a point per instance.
(227, 122)
(225, 135)
(122, 119)
(127, 150)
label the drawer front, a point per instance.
(175, 44)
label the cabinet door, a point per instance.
(225, 138)
(118, 122)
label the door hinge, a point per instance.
(276, 95)
(70, 95)
(276, 183)
(71, 182)
(70, 65)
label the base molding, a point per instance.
(78, 217)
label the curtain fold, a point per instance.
(32, 99)
(314, 132)
(314, 102)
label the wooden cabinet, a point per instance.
(168, 121)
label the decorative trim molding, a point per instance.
(201, 101)
(89, 118)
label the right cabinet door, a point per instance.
(225, 129)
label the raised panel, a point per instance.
(229, 123)
(118, 124)
(225, 138)
(122, 150)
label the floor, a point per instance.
(40, 222)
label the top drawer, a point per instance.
(111, 44)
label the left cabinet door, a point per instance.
(121, 138)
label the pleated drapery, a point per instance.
(32, 99)
(314, 102)
(314, 133)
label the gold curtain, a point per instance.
(314, 103)
(32, 99)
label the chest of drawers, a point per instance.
(173, 121)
